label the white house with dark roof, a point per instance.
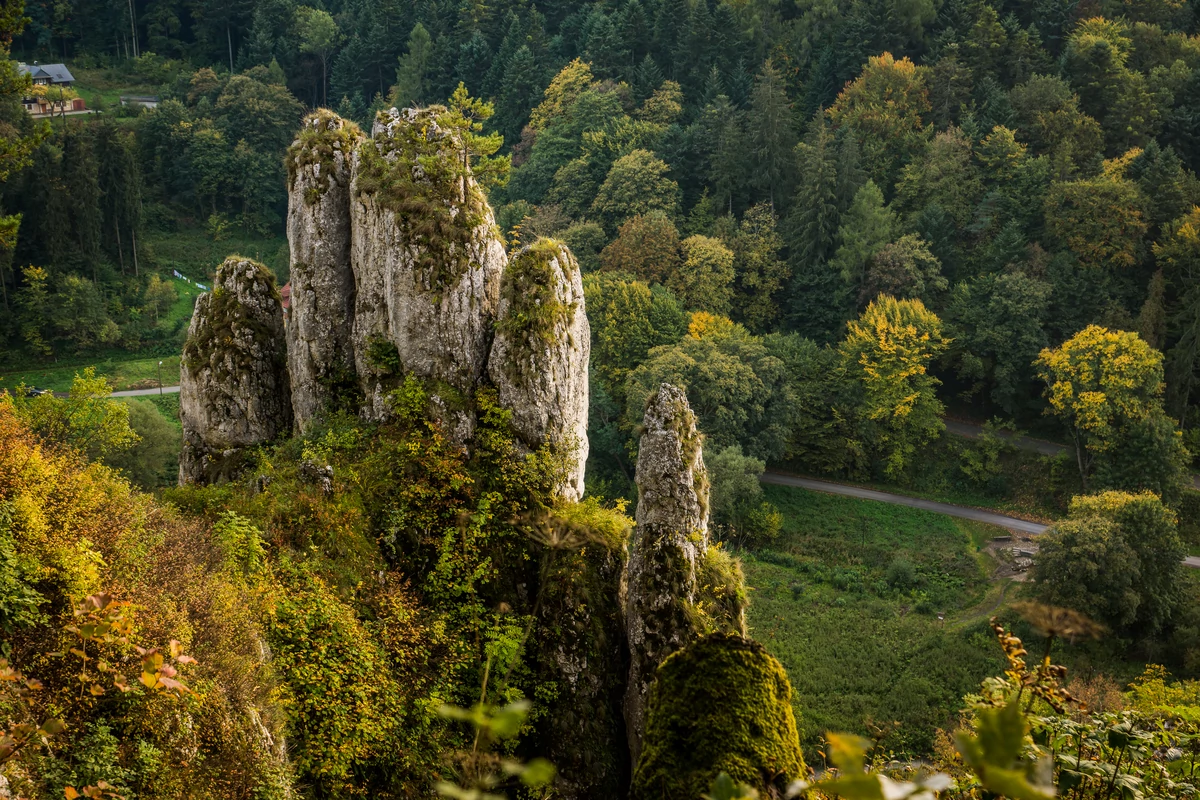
(43, 102)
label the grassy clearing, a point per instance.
(847, 598)
(134, 373)
(168, 406)
(104, 87)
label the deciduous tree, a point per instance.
(886, 355)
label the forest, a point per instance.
(835, 226)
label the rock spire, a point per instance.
(234, 390)
(539, 359)
(668, 549)
(321, 315)
(427, 257)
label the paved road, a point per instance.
(963, 512)
(990, 517)
(144, 392)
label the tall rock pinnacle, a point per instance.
(539, 359)
(234, 390)
(427, 257)
(669, 546)
(321, 318)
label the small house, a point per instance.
(51, 92)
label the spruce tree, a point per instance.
(413, 72)
(519, 92)
(772, 135)
(866, 227)
(815, 304)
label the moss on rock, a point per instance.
(322, 136)
(723, 704)
(413, 167)
(535, 314)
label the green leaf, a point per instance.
(538, 772)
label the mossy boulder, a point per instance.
(427, 259)
(723, 704)
(321, 318)
(539, 358)
(234, 391)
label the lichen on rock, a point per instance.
(234, 391)
(539, 358)
(722, 704)
(674, 590)
(427, 258)
(321, 318)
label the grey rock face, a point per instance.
(234, 391)
(321, 318)
(427, 260)
(539, 358)
(668, 548)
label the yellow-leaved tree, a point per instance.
(1106, 386)
(886, 356)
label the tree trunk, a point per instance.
(133, 28)
(133, 236)
(120, 249)
(229, 41)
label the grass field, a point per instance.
(135, 373)
(847, 599)
(104, 87)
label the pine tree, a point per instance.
(474, 61)
(348, 78)
(646, 78)
(514, 38)
(772, 135)
(866, 227)
(813, 220)
(634, 29)
(81, 175)
(602, 47)
(726, 152)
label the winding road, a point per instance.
(950, 510)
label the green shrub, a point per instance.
(723, 704)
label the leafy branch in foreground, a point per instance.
(100, 623)
(482, 772)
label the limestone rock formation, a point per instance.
(539, 359)
(427, 257)
(668, 548)
(722, 704)
(233, 387)
(321, 318)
